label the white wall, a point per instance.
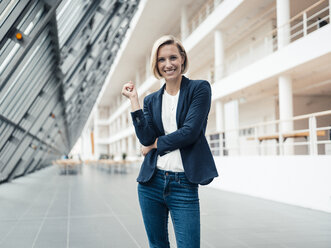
(297, 180)
(249, 49)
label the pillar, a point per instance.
(123, 146)
(284, 81)
(219, 55)
(231, 123)
(219, 109)
(219, 114)
(283, 18)
(118, 148)
(286, 109)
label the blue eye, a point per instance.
(160, 60)
(173, 57)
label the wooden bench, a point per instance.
(285, 136)
(68, 165)
(305, 135)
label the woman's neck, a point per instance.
(173, 86)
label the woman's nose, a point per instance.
(168, 63)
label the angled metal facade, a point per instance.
(54, 58)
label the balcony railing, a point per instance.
(302, 24)
(204, 12)
(312, 137)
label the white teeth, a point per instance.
(169, 71)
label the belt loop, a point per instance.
(176, 177)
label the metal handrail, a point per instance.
(274, 33)
(312, 138)
(204, 12)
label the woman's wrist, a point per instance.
(134, 103)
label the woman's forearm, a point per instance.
(135, 103)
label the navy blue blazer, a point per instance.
(191, 116)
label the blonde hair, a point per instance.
(167, 40)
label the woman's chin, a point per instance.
(171, 77)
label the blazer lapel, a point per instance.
(158, 110)
(182, 94)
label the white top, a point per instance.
(171, 161)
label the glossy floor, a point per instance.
(100, 209)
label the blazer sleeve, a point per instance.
(193, 124)
(142, 121)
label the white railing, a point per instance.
(306, 22)
(311, 135)
(204, 12)
(302, 24)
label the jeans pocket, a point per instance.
(184, 183)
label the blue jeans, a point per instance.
(170, 191)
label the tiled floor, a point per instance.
(98, 209)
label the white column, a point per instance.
(110, 150)
(231, 122)
(219, 55)
(123, 148)
(284, 82)
(283, 17)
(285, 98)
(219, 109)
(286, 109)
(219, 114)
(118, 151)
(183, 23)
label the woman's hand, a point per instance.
(129, 90)
(147, 149)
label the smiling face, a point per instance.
(169, 62)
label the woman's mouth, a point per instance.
(169, 71)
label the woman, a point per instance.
(177, 156)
